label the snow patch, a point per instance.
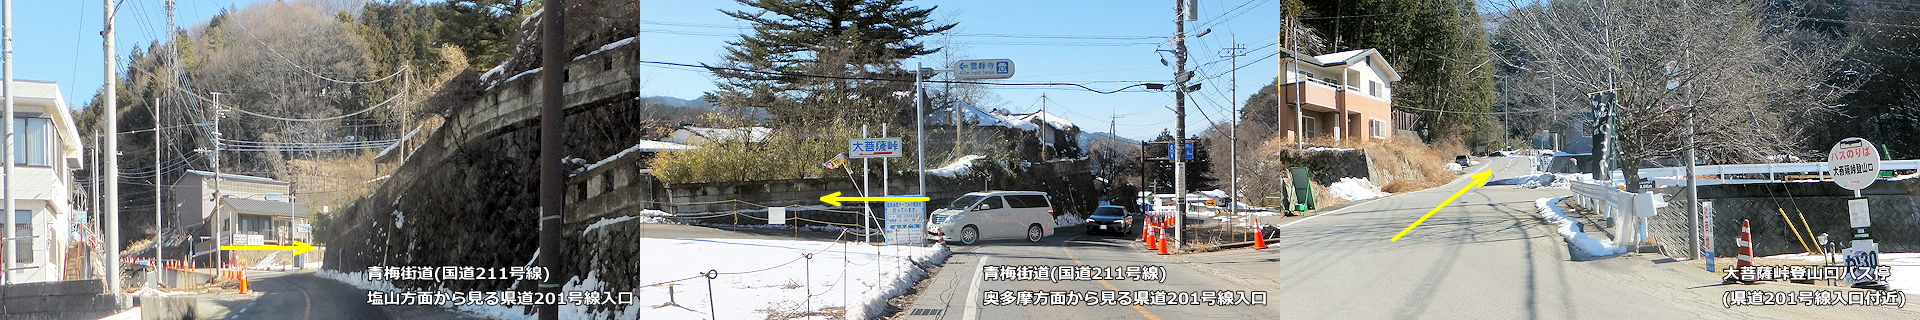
(643, 146)
(1068, 220)
(609, 46)
(778, 278)
(1584, 247)
(1355, 189)
(399, 219)
(604, 222)
(957, 167)
(1455, 167)
(1326, 149)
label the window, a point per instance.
(992, 203)
(1377, 128)
(1373, 89)
(23, 227)
(1027, 201)
(1312, 126)
(30, 146)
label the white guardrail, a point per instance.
(1820, 168)
(1627, 211)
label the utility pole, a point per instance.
(216, 224)
(1046, 130)
(159, 234)
(112, 123)
(1233, 137)
(553, 178)
(920, 127)
(6, 49)
(1180, 121)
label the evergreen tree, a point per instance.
(842, 45)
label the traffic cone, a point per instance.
(1746, 254)
(1153, 237)
(1163, 246)
(243, 283)
(1259, 238)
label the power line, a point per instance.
(263, 44)
(376, 106)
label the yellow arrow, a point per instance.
(1479, 179)
(835, 198)
(297, 247)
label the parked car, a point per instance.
(1110, 219)
(1462, 161)
(991, 215)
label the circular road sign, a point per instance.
(1855, 163)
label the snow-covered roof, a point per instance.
(749, 134)
(1372, 56)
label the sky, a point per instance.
(60, 41)
(1101, 44)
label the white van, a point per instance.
(993, 215)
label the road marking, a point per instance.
(1479, 179)
(1143, 310)
(973, 291)
(1328, 213)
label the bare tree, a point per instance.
(1746, 72)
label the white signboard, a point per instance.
(906, 222)
(983, 69)
(873, 148)
(1861, 259)
(1855, 163)
(1706, 233)
(1857, 213)
(776, 215)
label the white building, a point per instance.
(46, 150)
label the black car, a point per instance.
(1110, 219)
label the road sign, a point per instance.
(776, 215)
(1188, 147)
(983, 69)
(1855, 163)
(906, 222)
(1857, 213)
(1860, 261)
(873, 148)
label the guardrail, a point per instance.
(1769, 168)
(1625, 210)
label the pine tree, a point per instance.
(839, 45)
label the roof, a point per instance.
(1351, 57)
(750, 134)
(263, 207)
(237, 177)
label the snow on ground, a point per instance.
(1261, 213)
(757, 276)
(1355, 189)
(957, 167)
(1584, 247)
(1905, 275)
(655, 216)
(1326, 149)
(778, 280)
(399, 218)
(1530, 181)
(1455, 167)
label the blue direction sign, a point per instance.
(983, 69)
(1188, 147)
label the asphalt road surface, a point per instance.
(303, 296)
(1486, 257)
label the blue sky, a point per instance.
(1097, 43)
(60, 40)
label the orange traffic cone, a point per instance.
(1745, 257)
(1259, 238)
(1153, 237)
(1163, 246)
(243, 284)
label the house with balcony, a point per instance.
(46, 150)
(1337, 97)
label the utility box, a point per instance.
(1303, 187)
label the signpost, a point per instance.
(1706, 233)
(1187, 147)
(776, 215)
(983, 69)
(905, 222)
(1856, 164)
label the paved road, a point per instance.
(1486, 257)
(955, 291)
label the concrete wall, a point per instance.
(78, 299)
(1896, 216)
